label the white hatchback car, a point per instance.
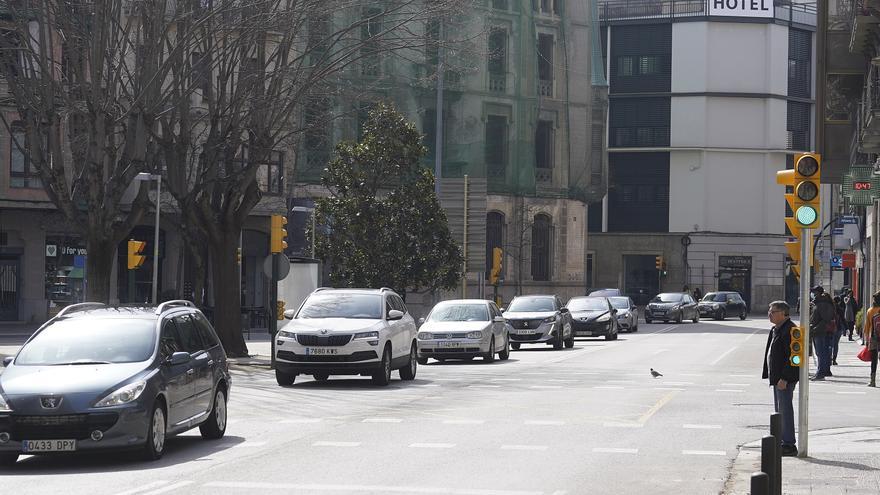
(464, 329)
(347, 332)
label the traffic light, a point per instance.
(658, 262)
(279, 310)
(796, 346)
(803, 200)
(278, 234)
(497, 263)
(135, 256)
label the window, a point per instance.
(316, 139)
(494, 237)
(496, 145)
(799, 56)
(206, 332)
(544, 144)
(541, 230)
(319, 32)
(498, 51)
(22, 171)
(189, 337)
(270, 172)
(625, 66)
(499, 4)
(546, 6)
(169, 342)
(649, 65)
(638, 192)
(370, 31)
(545, 57)
(201, 74)
(590, 282)
(798, 125)
(432, 42)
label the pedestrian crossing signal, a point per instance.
(796, 346)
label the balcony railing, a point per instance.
(545, 88)
(869, 113)
(863, 25)
(611, 10)
(543, 175)
(498, 83)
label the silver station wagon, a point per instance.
(464, 329)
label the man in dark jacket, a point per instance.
(782, 375)
(823, 324)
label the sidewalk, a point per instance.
(841, 461)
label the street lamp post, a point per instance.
(158, 179)
(306, 209)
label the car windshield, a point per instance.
(605, 292)
(714, 297)
(588, 304)
(366, 306)
(91, 341)
(619, 302)
(667, 298)
(459, 312)
(532, 304)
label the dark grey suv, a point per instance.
(100, 377)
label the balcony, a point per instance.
(868, 124)
(545, 88)
(543, 175)
(864, 20)
(497, 83)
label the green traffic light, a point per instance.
(806, 215)
(796, 360)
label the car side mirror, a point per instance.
(288, 314)
(179, 358)
(395, 314)
(8, 360)
(498, 319)
(563, 310)
(503, 309)
(421, 321)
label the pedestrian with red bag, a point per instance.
(871, 333)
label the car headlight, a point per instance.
(371, 337)
(4, 406)
(475, 335)
(426, 336)
(604, 318)
(123, 395)
(550, 319)
(287, 335)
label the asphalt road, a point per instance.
(580, 421)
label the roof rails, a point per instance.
(322, 288)
(79, 307)
(173, 304)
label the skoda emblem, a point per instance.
(50, 402)
(324, 331)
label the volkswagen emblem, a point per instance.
(324, 331)
(584, 319)
(50, 402)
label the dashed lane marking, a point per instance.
(673, 389)
(506, 379)
(735, 384)
(729, 390)
(610, 387)
(613, 450)
(851, 393)
(382, 420)
(546, 387)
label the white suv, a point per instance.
(347, 332)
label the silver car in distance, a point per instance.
(464, 329)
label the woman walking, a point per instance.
(872, 339)
(840, 308)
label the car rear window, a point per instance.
(91, 341)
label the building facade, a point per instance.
(705, 107)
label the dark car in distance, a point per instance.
(593, 317)
(672, 306)
(97, 377)
(539, 319)
(721, 304)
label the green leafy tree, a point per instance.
(385, 226)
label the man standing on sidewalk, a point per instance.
(823, 324)
(782, 375)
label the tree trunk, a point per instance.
(99, 266)
(227, 293)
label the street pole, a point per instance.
(158, 178)
(465, 244)
(273, 305)
(803, 404)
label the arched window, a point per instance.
(542, 227)
(494, 236)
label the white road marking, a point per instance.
(300, 421)
(851, 393)
(336, 444)
(302, 487)
(585, 373)
(382, 420)
(703, 452)
(539, 422)
(463, 422)
(622, 425)
(728, 390)
(741, 376)
(169, 488)
(484, 386)
(724, 355)
(524, 447)
(559, 380)
(701, 427)
(432, 445)
(611, 450)
(148, 486)
(659, 351)
(619, 381)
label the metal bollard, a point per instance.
(769, 448)
(760, 484)
(776, 431)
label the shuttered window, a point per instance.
(799, 54)
(638, 195)
(639, 122)
(641, 59)
(798, 125)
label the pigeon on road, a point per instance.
(655, 374)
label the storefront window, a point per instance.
(65, 271)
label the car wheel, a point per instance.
(215, 426)
(680, 318)
(504, 355)
(647, 320)
(490, 356)
(422, 360)
(155, 446)
(635, 328)
(569, 342)
(718, 315)
(321, 377)
(742, 316)
(558, 343)
(514, 346)
(382, 377)
(408, 372)
(8, 460)
(284, 379)
(696, 318)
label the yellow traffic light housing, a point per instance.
(658, 262)
(135, 254)
(796, 347)
(497, 265)
(805, 198)
(279, 310)
(278, 234)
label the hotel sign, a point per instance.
(741, 8)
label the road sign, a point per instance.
(849, 219)
(281, 262)
(836, 262)
(837, 231)
(849, 259)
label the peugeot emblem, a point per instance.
(50, 402)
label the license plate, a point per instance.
(525, 332)
(584, 333)
(320, 351)
(448, 344)
(48, 446)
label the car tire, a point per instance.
(489, 357)
(569, 342)
(609, 336)
(515, 346)
(680, 318)
(215, 426)
(422, 360)
(558, 343)
(382, 376)
(408, 372)
(696, 318)
(718, 315)
(321, 377)
(635, 328)
(648, 321)
(504, 355)
(284, 379)
(155, 446)
(8, 460)
(742, 316)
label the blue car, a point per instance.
(97, 377)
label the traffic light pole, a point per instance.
(272, 323)
(804, 379)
